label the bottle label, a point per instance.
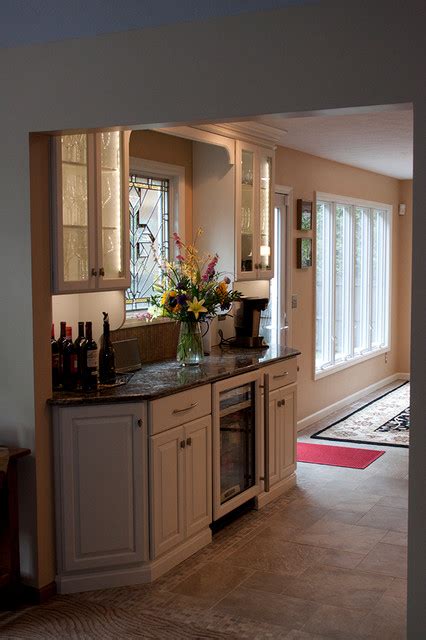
(74, 364)
(92, 359)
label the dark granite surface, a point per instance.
(167, 377)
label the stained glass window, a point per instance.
(149, 201)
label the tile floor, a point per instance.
(328, 560)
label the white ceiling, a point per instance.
(377, 141)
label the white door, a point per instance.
(276, 318)
(101, 486)
(167, 476)
(198, 476)
(288, 430)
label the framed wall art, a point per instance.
(304, 253)
(304, 215)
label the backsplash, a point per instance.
(156, 341)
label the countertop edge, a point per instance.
(143, 397)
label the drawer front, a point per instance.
(282, 373)
(171, 411)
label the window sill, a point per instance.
(322, 373)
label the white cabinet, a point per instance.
(90, 212)
(279, 430)
(180, 480)
(234, 206)
(254, 226)
(101, 476)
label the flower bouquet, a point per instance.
(190, 290)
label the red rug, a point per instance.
(334, 456)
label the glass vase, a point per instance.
(190, 344)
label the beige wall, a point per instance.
(306, 174)
(151, 145)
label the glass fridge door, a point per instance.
(237, 441)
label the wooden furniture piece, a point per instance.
(91, 212)
(10, 584)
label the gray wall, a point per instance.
(301, 59)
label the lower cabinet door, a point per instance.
(275, 418)
(288, 430)
(198, 475)
(167, 496)
(101, 483)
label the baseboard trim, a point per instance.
(275, 491)
(130, 575)
(323, 413)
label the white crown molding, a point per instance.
(199, 135)
(248, 131)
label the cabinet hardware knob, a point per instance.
(279, 403)
(191, 406)
(140, 423)
(102, 271)
(182, 444)
(94, 272)
(189, 441)
(283, 402)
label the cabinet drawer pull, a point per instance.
(182, 444)
(189, 441)
(281, 375)
(140, 423)
(191, 406)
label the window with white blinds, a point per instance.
(353, 256)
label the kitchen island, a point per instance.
(142, 469)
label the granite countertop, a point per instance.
(166, 377)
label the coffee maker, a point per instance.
(247, 322)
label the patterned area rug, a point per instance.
(384, 421)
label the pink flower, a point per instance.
(177, 239)
(180, 258)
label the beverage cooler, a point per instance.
(236, 442)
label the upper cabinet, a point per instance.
(254, 214)
(90, 212)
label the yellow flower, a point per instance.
(196, 306)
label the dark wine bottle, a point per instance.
(56, 378)
(70, 360)
(89, 350)
(61, 341)
(79, 343)
(106, 356)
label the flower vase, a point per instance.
(190, 344)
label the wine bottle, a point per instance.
(79, 343)
(61, 341)
(106, 356)
(70, 363)
(56, 378)
(89, 350)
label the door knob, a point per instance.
(189, 441)
(94, 272)
(182, 444)
(140, 423)
(102, 271)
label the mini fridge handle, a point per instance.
(266, 432)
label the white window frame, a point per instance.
(176, 176)
(354, 359)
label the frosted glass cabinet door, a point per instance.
(246, 211)
(113, 223)
(74, 235)
(265, 215)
